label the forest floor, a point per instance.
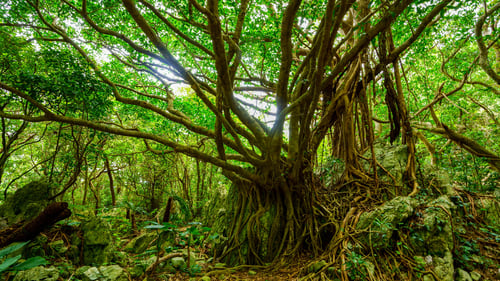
(141, 248)
(290, 272)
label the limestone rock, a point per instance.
(462, 275)
(140, 243)
(91, 274)
(393, 158)
(103, 273)
(38, 273)
(490, 209)
(382, 222)
(113, 273)
(433, 235)
(178, 262)
(97, 241)
(476, 275)
(27, 202)
(443, 267)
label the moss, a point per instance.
(97, 242)
(383, 221)
(27, 202)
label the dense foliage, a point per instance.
(127, 103)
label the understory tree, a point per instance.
(271, 82)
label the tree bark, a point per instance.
(50, 215)
(111, 184)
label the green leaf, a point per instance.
(30, 263)
(12, 248)
(154, 226)
(8, 262)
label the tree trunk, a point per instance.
(111, 184)
(267, 222)
(50, 215)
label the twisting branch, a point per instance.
(483, 51)
(234, 170)
(468, 144)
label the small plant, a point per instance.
(420, 266)
(195, 234)
(13, 264)
(161, 229)
(355, 266)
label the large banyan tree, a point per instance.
(278, 79)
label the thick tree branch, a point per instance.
(187, 150)
(483, 51)
(468, 144)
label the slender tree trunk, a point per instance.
(85, 185)
(56, 151)
(168, 210)
(111, 182)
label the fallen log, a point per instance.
(50, 215)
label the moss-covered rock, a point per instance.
(393, 158)
(178, 262)
(443, 267)
(97, 241)
(433, 235)
(102, 273)
(27, 202)
(136, 271)
(140, 243)
(384, 220)
(462, 275)
(144, 241)
(90, 274)
(113, 273)
(57, 248)
(38, 273)
(490, 210)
